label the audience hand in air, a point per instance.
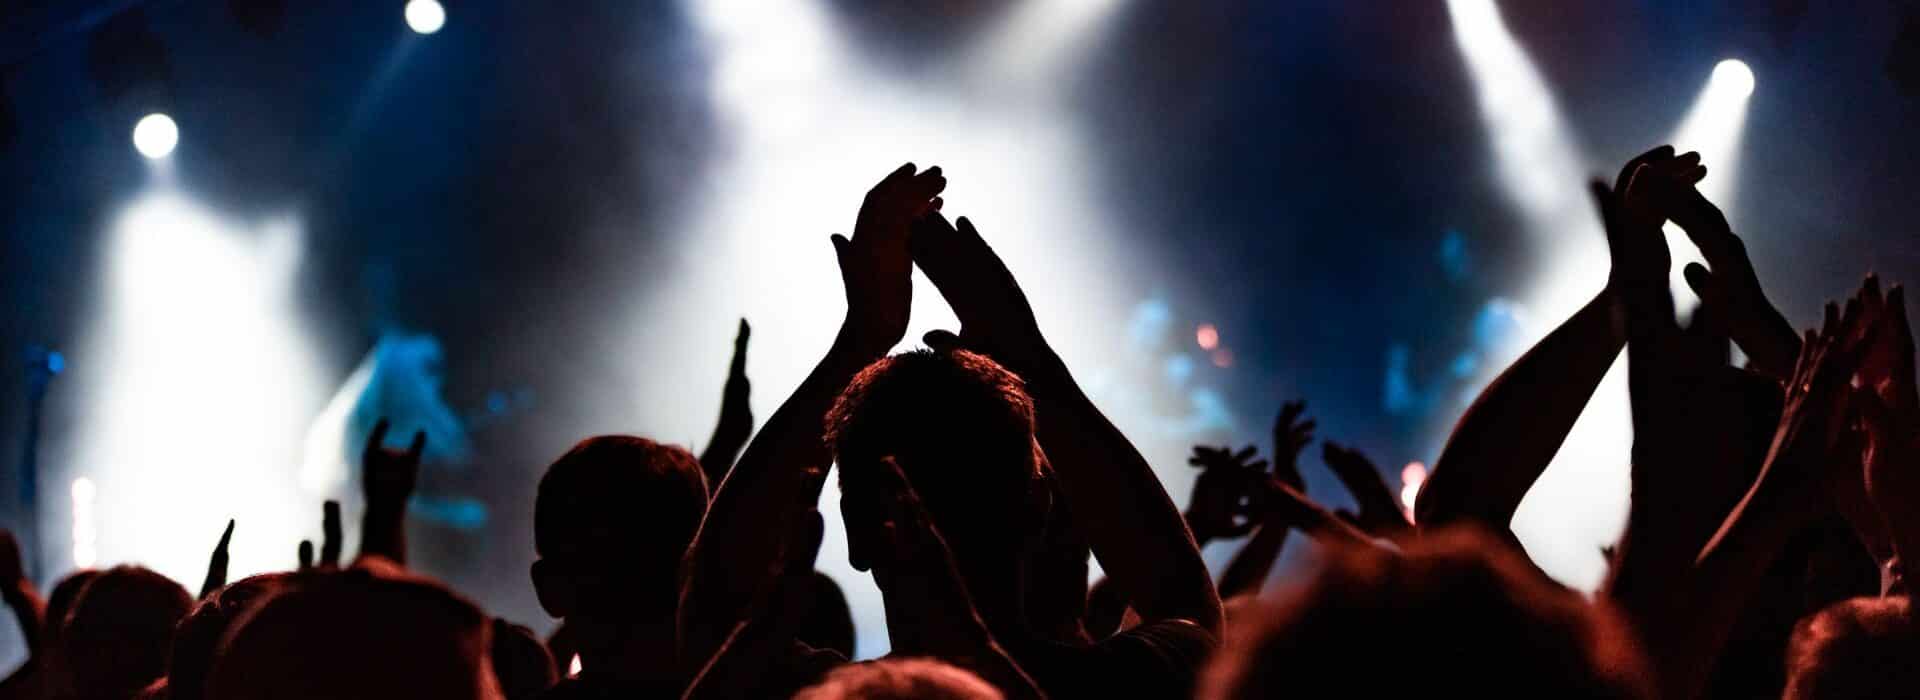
(1226, 493)
(217, 564)
(1379, 513)
(875, 265)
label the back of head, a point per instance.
(828, 623)
(617, 509)
(1456, 614)
(1862, 648)
(60, 600)
(521, 662)
(961, 428)
(355, 634)
(197, 638)
(116, 637)
(900, 679)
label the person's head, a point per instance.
(356, 634)
(611, 521)
(60, 604)
(117, 636)
(1860, 649)
(828, 623)
(900, 679)
(520, 661)
(961, 429)
(197, 638)
(1456, 614)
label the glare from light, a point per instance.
(1412, 477)
(1735, 77)
(1579, 503)
(198, 382)
(155, 135)
(425, 16)
(809, 124)
(574, 667)
(1207, 336)
(85, 538)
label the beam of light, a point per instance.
(808, 125)
(195, 384)
(155, 136)
(1713, 127)
(86, 535)
(425, 16)
(1579, 504)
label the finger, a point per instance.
(942, 341)
(1829, 318)
(225, 537)
(1657, 153)
(306, 554)
(1244, 454)
(378, 437)
(1259, 465)
(839, 248)
(936, 204)
(740, 337)
(419, 445)
(1702, 282)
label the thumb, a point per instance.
(943, 341)
(1704, 285)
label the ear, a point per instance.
(554, 589)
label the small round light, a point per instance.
(155, 135)
(425, 16)
(1735, 76)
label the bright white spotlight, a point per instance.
(155, 135)
(425, 16)
(1734, 76)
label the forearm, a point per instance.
(1511, 432)
(383, 532)
(1248, 570)
(722, 449)
(727, 561)
(1135, 530)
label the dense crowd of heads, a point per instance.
(1764, 554)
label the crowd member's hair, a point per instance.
(900, 679)
(197, 638)
(357, 633)
(116, 638)
(1858, 649)
(521, 662)
(617, 509)
(961, 428)
(1456, 615)
(60, 600)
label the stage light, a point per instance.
(1207, 336)
(1412, 477)
(1733, 76)
(198, 383)
(155, 135)
(1534, 155)
(425, 16)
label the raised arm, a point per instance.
(736, 415)
(21, 597)
(388, 477)
(1131, 524)
(1513, 429)
(727, 562)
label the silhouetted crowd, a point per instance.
(1763, 553)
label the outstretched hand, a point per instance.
(1226, 492)
(736, 415)
(217, 564)
(875, 265)
(995, 317)
(1291, 435)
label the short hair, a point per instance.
(360, 634)
(616, 497)
(118, 635)
(900, 679)
(1861, 648)
(196, 640)
(1458, 613)
(958, 424)
(60, 600)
